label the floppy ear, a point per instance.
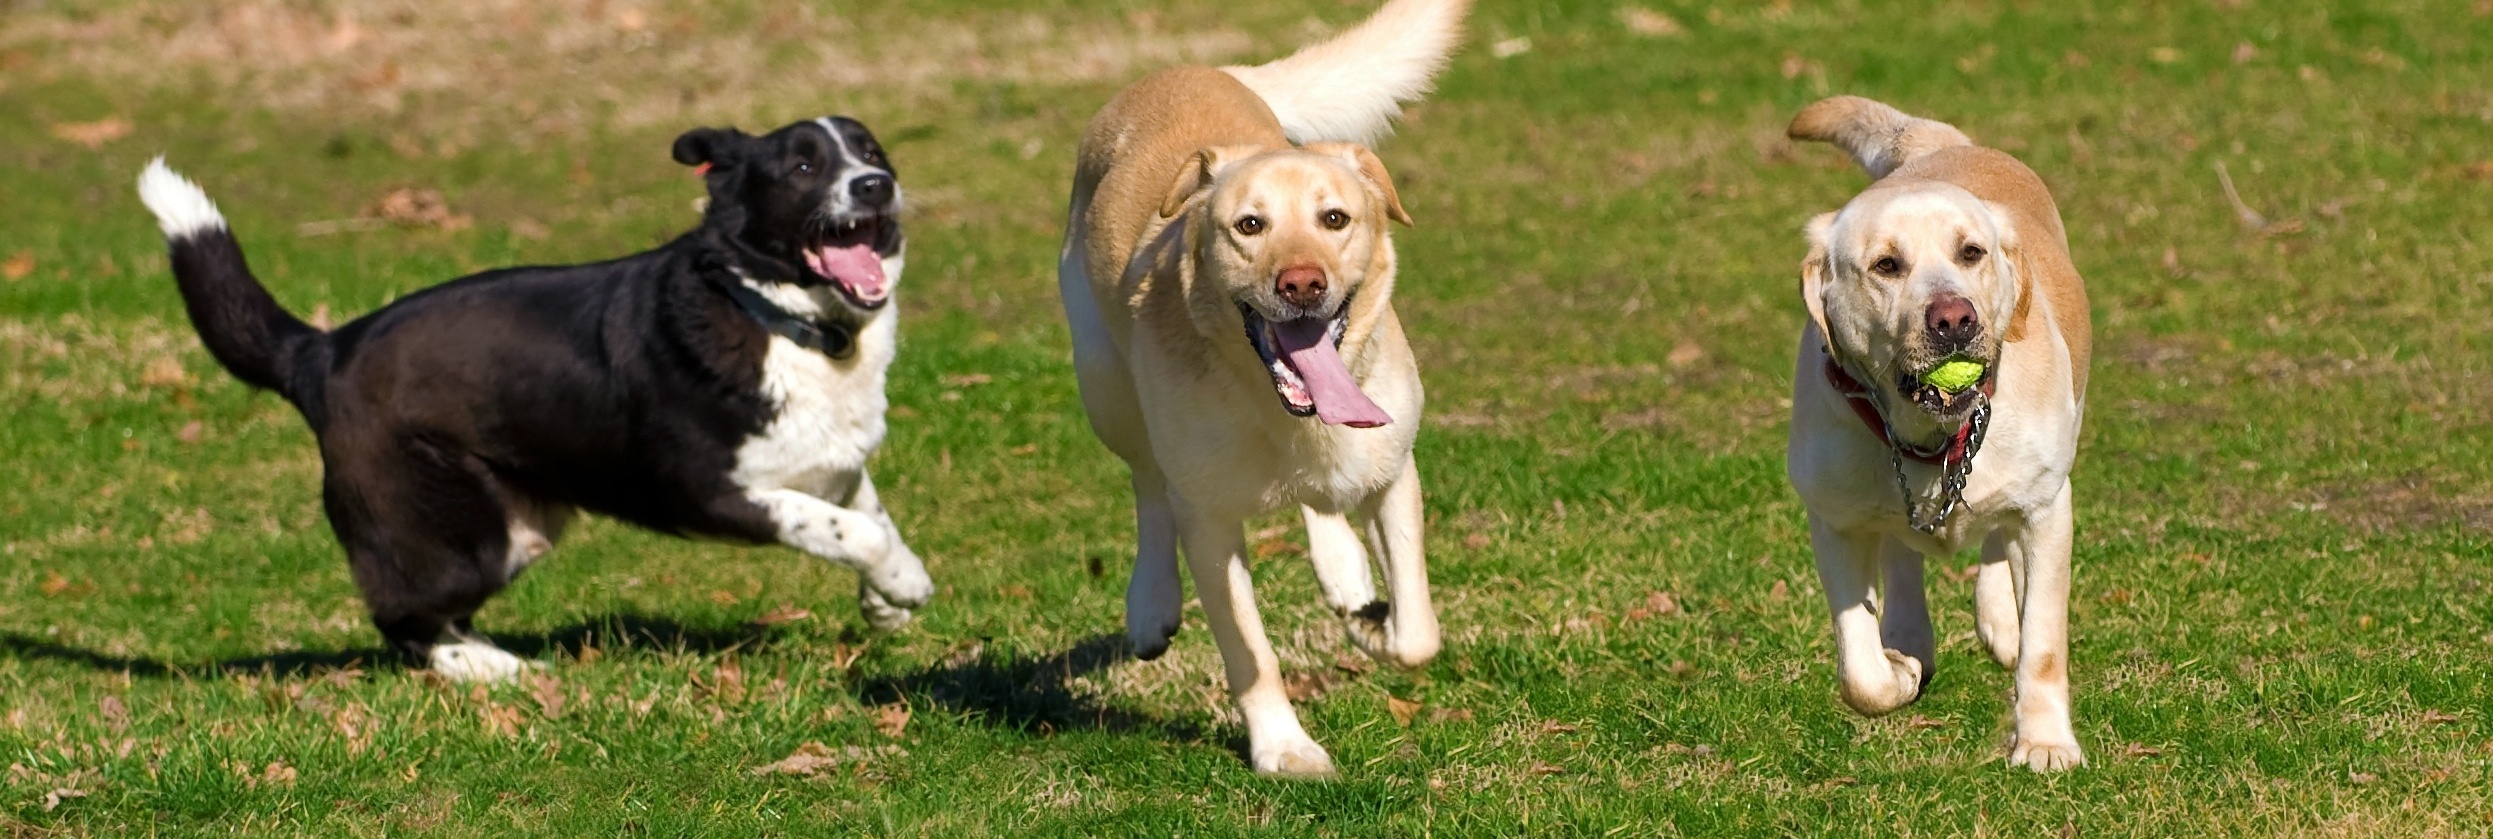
(2012, 261)
(1197, 175)
(708, 145)
(1365, 160)
(1814, 270)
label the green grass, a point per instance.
(2280, 616)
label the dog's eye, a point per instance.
(1887, 266)
(1971, 254)
(804, 167)
(1336, 219)
(1249, 225)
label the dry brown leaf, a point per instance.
(1303, 685)
(1556, 727)
(1779, 591)
(2436, 716)
(723, 597)
(548, 691)
(499, 720)
(416, 207)
(844, 656)
(1679, 668)
(892, 719)
(1540, 768)
(1918, 722)
(1356, 665)
(19, 265)
(1685, 354)
(1449, 715)
(1402, 709)
(191, 432)
(813, 757)
(93, 135)
(1025, 450)
(1656, 603)
(786, 613)
(116, 714)
(1649, 23)
(2139, 750)
(1015, 591)
(1476, 541)
(54, 798)
(165, 372)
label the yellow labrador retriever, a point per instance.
(1956, 254)
(1228, 273)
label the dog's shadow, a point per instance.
(606, 631)
(1034, 694)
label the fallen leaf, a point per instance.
(1779, 591)
(1352, 664)
(1450, 715)
(2435, 716)
(2139, 750)
(1680, 668)
(1656, 603)
(548, 691)
(166, 372)
(416, 207)
(786, 613)
(813, 757)
(1556, 727)
(116, 714)
(723, 597)
(92, 135)
(1025, 450)
(1918, 722)
(1304, 685)
(1685, 354)
(1015, 591)
(54, 798)
(1838, 782)
(1402, 709)
(1541, 768)
(891, 719)
(19, 265)
(191, 432)
(1649, 23)
(1476, 541)
(279, 774)
(499, 720)
(844, 656)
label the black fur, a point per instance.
(621, 387)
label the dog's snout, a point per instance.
(872, 190)
(1952, 321)
(1302, 286)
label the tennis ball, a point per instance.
(1954, 376)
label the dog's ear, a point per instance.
(2012, 262)
(712, 146)
(1365, 160)
(1194, 176)
(1814, 272)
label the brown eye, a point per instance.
(1249, 225)
(1971, 254)
(1336, 219)
(1886, 266)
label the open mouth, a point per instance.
(1941, 403)
(844, 254)
(1303, 355)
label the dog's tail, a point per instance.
(1349, 89)
(243, 327)
(1880, 137)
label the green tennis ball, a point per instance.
(1954, 376)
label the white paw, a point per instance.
(1877, 697)
(901, 579)
(2046, 754)
(476, 661)
(2000, 637)
(1378, 631)
(1293, 757)
(880, 613)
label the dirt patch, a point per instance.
(2409, 502)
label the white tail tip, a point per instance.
(182, 209)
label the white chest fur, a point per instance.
(829, 416)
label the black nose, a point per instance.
(1952, 322)
(872, 190)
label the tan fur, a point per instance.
(1153, 274)
(1958, 219)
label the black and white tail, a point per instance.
(1878, 136)
(1349, 89)
(257, 340)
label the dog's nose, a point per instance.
(1952, 321)
(871, 190)
(1301, 286)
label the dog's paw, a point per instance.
(1295, 757)
(1375, 630)
(477, 661)
(1876, 696)
(901, 580)
(2046, 754)
(879, 612)
(1149, 637)
(1153, 608)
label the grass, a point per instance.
(2281, 608)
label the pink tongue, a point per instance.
(855, 268)
(1338, 399)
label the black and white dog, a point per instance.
(728, 385)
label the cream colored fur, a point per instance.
(1936, 194)
(1152, 274)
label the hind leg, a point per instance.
(430, 538)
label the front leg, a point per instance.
(1873, 679)
(885, 597)
(1216, 556)
(1904, 608)
(849, 538)
(1395, 523)
(2046, 739)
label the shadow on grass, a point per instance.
(1035, 695)
(608, 632)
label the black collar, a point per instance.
(835, 339)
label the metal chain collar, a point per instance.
(1952, 471)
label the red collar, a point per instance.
(1858, 396)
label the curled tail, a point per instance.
(1349, 89)
(257, 340)
(1880, 137)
